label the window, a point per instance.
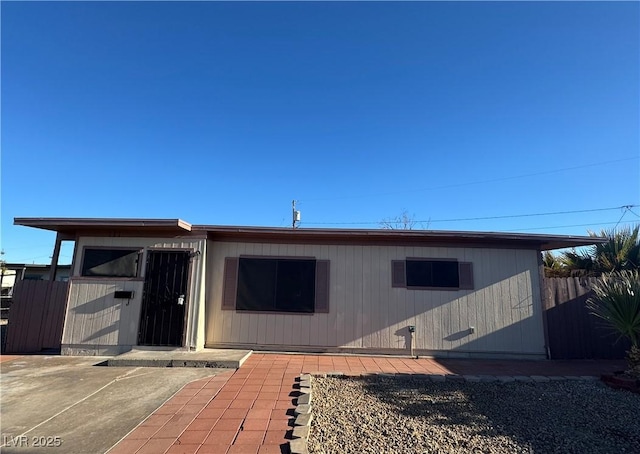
(432, 274)
(274, 284)
(110, 262)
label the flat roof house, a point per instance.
(159, 282)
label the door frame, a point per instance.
(187, 303)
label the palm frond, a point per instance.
(577, 263)
(621, 251)
(616, 301)
(553, 266)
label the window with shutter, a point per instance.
(275, 284)
(425, 274)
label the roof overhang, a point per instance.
(155, 227)
(73, 226)
(398, 237)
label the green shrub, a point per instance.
(616, 301)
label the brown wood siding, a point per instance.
(573, 332)
(36, 316)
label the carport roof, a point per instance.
(154, 227)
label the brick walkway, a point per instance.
(250, 411)
(4, 358)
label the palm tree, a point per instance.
(620, 252)
(553, 265)
(616, 301)
(577, 263)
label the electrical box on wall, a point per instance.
(123, 294)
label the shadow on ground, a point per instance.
(564, 416)
(88, 409)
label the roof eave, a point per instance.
(72, 225)
(156, 227)
(538, 241)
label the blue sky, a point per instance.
(222, 113)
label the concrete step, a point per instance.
(208, 357)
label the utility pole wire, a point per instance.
(457, 185)
(634, 213)
(562, 226)
(625, 208)
(553, 213)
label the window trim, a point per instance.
(138, 277)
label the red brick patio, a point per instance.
(250, 411)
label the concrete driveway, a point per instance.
(70, 405)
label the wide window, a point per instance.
(276, 284)
(110, 262)
(280, 285)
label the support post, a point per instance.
(54, 258)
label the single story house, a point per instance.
(157, 282)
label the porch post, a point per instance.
(54, 259)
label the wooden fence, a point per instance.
(36, 316)
(573, 332)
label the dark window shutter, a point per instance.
(322, 286)
(465, 270)
(398, 273)
(230, 283)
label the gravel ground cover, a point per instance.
(400, 415)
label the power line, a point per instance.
(35, 258)
(563, 226)
(13, 248)
(457, 185)
(626, 209)
(553, 213)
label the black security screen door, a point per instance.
(164, 298)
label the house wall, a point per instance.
(96, 323)
(367, 314)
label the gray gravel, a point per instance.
(394, 415)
